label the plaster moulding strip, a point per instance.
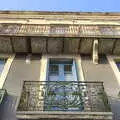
(43, 74)
(113, 65)
(43, 68)
(6, 69)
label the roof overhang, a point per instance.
(57, 45)
(59, 32)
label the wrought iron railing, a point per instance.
(2, 94)
(63, 96)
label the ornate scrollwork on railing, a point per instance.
(63, 96)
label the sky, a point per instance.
(62, 5)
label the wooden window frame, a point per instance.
(44, 67)
(61, 71)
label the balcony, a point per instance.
(63, 99)
(63, 30)
(2, 94)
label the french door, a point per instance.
(62, 90)
(62, 70)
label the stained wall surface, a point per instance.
(103, 72)
(21, 71)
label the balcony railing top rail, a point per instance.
(63, 96)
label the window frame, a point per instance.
(44, 67)
(45, 61)
(61, 72)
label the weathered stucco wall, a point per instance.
(103, 72)
(19, 72)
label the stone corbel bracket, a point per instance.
(95, 56)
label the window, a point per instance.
(117, 62)
(118, 65)
(62, 70)
(2, 64)
(62, 89)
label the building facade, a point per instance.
(59, 65)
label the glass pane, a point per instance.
(2, 63)
(118, 65)
(68, 68)
(53, 68)
(53, 72)
(68, 76)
